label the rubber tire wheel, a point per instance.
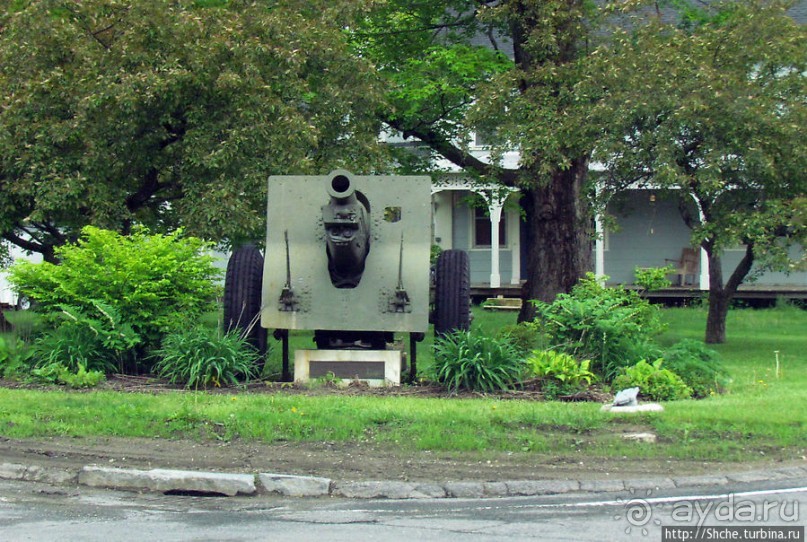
(452, 292)
(242, 295)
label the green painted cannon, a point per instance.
(347, 257)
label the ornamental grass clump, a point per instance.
(466, 361)
(202, 358)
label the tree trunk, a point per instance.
(719, 304)
(558, 228)
(720, 295)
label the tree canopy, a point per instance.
(168, 112)
(709, 99)
(714, 113)
(506, 69)
(161, 112)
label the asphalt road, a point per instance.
(33, 511)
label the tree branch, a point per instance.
(24, 244)
(97, 34)
(459, 22)
(742, 269)
(53, 231)
(455, 155)
(683, 210)
(151, 185)
(151, 182)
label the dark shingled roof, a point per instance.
(798, 12)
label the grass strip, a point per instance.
(762, 416)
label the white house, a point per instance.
(649, 233)
(8, 298)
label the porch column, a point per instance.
(599, 248)
(599, 231)
(703, 281)
(514, 227)
(495, 208)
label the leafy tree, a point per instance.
(168, 112)
(713, 111)
(443, 84)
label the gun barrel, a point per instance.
(346, 219)
(341, 190)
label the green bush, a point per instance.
(100, 341)
(612, 327)
(6, 358)
(699, 366)
(200, 358)
(654, 382)
(5, 350)
(524, 336)
(14, 358)
(150, 282)
(561, 366)
(464, 361)
(82, 378)
(26, 324)
(653, 278)
(561, 374)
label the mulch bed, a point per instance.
(530, 390)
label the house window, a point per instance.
(482, 229)
(484, 137)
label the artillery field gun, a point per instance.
(347, 257)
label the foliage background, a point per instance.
(163, 112)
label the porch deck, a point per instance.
(753, 294)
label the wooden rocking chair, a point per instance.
(686, 266)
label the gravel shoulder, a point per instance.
(346, 462)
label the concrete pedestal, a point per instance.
(375, 367)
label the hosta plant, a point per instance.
(654, 381)
(561, 373)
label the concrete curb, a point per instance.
(34, 473)
(295, 486)
(232, 484)
(161, 480)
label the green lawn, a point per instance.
(762, 412)
(760, 416)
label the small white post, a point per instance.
(776, 353)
